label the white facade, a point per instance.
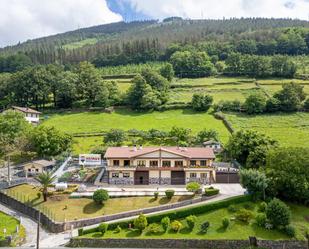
(32, 117)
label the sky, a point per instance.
(21, 20)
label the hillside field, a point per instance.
(287, 129)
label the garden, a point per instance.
(10, 226)
(235, 218)
(59, 206)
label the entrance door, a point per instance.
(141, 178)
(178, 178)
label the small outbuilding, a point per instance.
(31, 115)
(215, 145)
(38, 166)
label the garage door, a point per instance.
(178, 178)
(224, 177)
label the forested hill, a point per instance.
(148, 40)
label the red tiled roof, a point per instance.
(130, 152)
(25, 110)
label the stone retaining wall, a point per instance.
(183, 243)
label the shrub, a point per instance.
(38, 195)
(156, 195)
(191, 220)
(100, 195)
(140, 222)
(193, 187)
(225, 222)
(176, 226)
(211, 191)
(103, 228)
(262, 207)
(278, 213)
(80, 232)
(261, 220)
(232, 208)
(244, 215)
(154, 228)
(118, 229)
(165, 222)
(169, 193)
(248, 206)
(290, 231)
(204, 227)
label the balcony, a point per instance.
(199, 166)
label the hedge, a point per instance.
(181, 213)
(211, 191)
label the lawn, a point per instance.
(10, 224)
(86, 144)
(61, 207)
(236, 230)
(289, 129)
(126, 120)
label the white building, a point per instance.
(31, 115)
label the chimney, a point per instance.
(134, 147)
(140, 147)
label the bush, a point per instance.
(154, 228)
(193, 187)
(290, 231)
(156, 195)
(141, 222)
(248, 206)
(225, 222)
(80, 232)
(201, 102)
(38, 195)
(232, 209)
(169, 193)
(205, 226)
(103, 228)
(191, 220)
(244, 215)
(165, 222)
(100, 195)
(261, 220)
(176, 226)
(262, 207)
(118, 229)
(211, 191)
(278, 213)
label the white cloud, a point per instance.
(26, 19)
(196, 9)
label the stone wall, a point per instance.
(183, 243)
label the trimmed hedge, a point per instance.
(181, 213)
(211, 191)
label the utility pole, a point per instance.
(38, 231)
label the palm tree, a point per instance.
(45, 179)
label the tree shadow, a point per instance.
(133, 233)
(96, 235)
(185, 230)
(91, 208)
(152, 200)
(164, 200)
(221, 230)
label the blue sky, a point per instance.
(27, 19)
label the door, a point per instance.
(141, 178)
(178, 178)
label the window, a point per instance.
(178, 163)
(126, 175)
(141, 163)
(115, 175)
(36, 170)
(204, 175)
(192, 175)
(166, 163)
(153, 163)
(193, 163)
(203, 162)
(126, 162)
(29, 170)
(116, 162)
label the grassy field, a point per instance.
(288, 129)
(126, 119)
(79, 44)
(61, 207)
(10, 224)
(236, 230)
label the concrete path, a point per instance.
(59, 171)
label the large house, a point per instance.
(31, 115)
(159, 165)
